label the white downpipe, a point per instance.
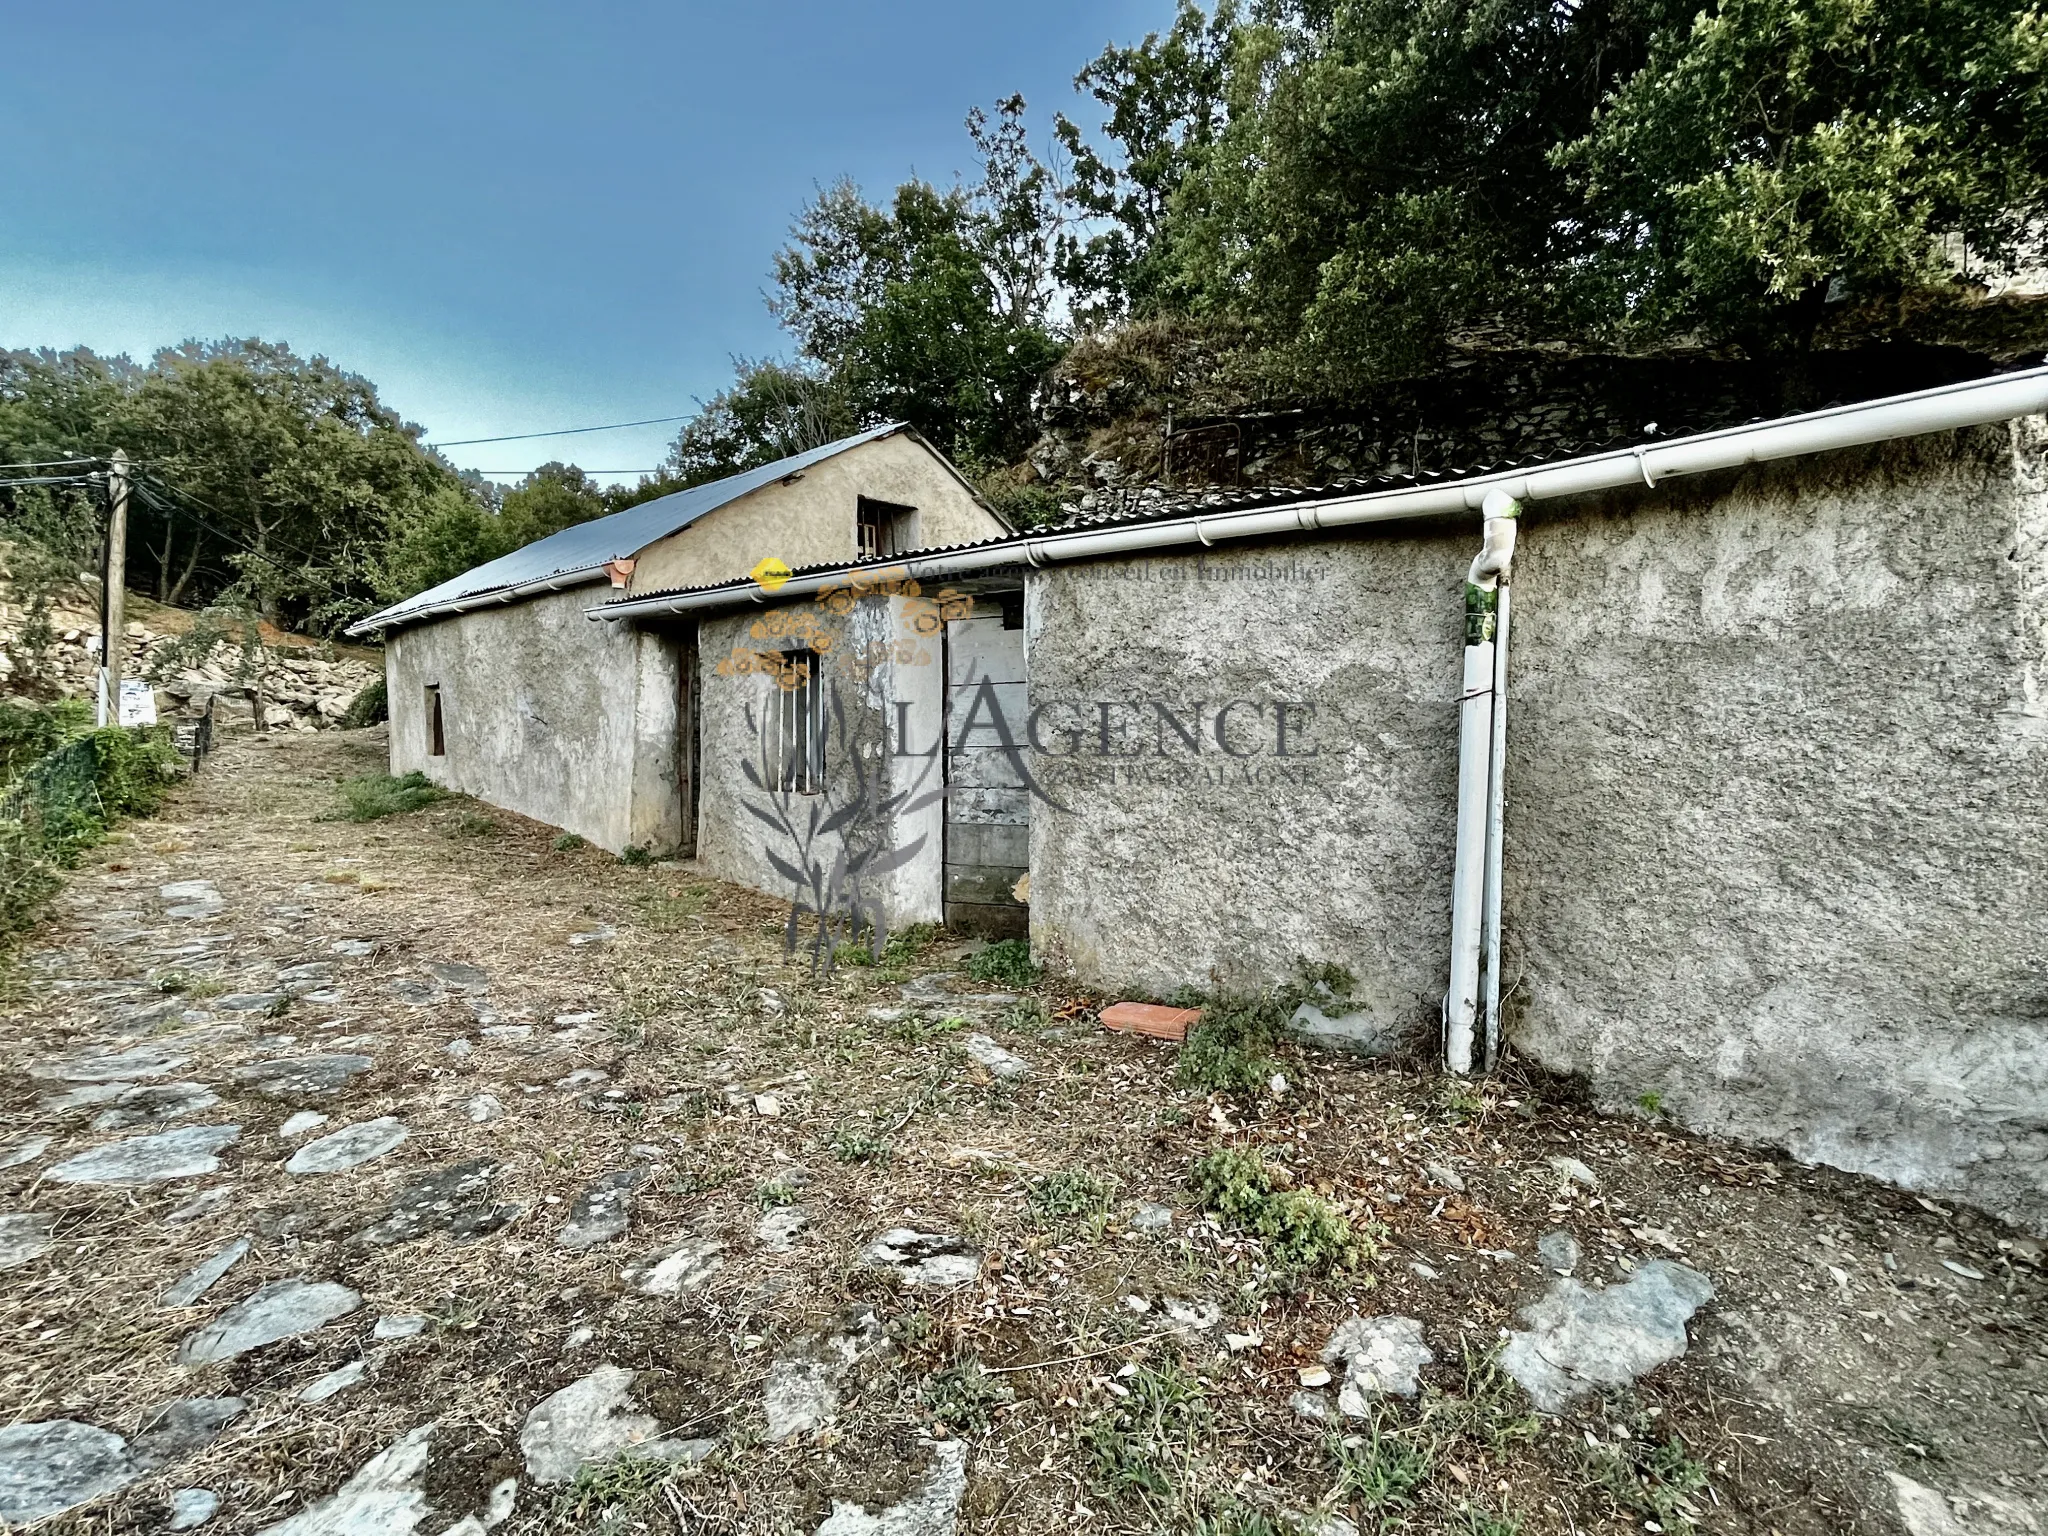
(1496, 821)
(1475, 777)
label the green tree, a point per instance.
(935, 309)
(770, 411)
(551, 498)
(1773, 153)
(1165, 101)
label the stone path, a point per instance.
(487, 1178)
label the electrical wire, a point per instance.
(520, 437)
(51, 463)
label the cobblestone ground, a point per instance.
(427, 1175)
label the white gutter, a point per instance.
(1973, 403)
(470, 600)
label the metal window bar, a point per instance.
(796, 726)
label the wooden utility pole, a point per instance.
(115, 578)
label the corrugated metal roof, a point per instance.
(1153, 504)
(585, 548)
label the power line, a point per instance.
(655, 471)
(520, 437)
(52, 463)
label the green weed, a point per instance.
(1657, 1478)
(474, 824)
(568, 842)
(1385, 1467)
(1007, 962)
(608, 1488)
(378, 795)
(962, 1398)
(775, 1192)
(853, 1144)
(1302, 1232)
(1070, 1193)
(1141, 1447)
(372, 706)
(901, 948)
(667, 910)
(916, 1029)
(1651, 1103)
(636, 856)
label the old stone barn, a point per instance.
(1741, 819)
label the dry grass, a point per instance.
(1799, 1391)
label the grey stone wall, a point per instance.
(1777, 792)
(875, 661)
(570, 722)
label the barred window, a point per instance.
(796, 726)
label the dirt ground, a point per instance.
(1856, 1330)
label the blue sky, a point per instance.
(512, 217)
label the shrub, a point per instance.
(64, 801)
(1231, 1050)
(901, 948)
(31, 731)
(1302, 1231)
(1007, 963)
(637, 856)
(370, 707)
(379, 794)
(568, 842)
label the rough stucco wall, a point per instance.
(811, 520)
(1777, 792)
(1779, 810)
(540, 708)
(1223, 870)
(731, 842)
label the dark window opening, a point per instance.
(796, 726)
(884, 529)
(437, 737)
(1013, 608)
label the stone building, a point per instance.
(500, 686)
(1773, 765)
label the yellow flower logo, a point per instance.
(770, 573)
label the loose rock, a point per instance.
(203, 1276)
(1381, 1356)
(383, 1499)
(457, 976)
(155, 1104)
(180, 1429)
(1004, 1065)
(25, 1237)
(932, 1509)
(926, 1259)
(305, 1120)
(349, 1147)
(338, 1380)
(591, 1420)
(27, 1150)
(399, 1326)
(282, 1309)
(289, 1076)
(248, 1002)
(1580, 1339)
(181, 1154)
(1559, 1251)
(453, 1199)
(777, 1230)
(602, 1211)
(1150, 1216)
(107, 1067)
(484, 1108)
(57, 1465)
(192, 1507)
(680, 1267)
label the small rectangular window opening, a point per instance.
(796, 726)
(437, 739)
(885, 529)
